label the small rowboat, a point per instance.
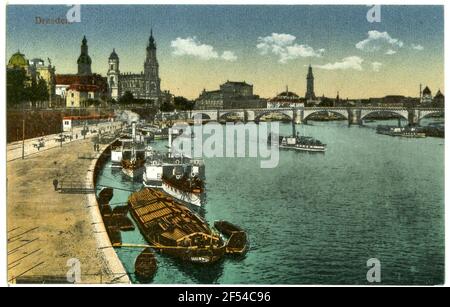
(237, 243)
(145, 265)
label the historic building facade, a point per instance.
(231, 95)
(144, 85)
(286, 99)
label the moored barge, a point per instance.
(172, 228)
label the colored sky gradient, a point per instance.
(267, 46)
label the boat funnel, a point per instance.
(133, 130)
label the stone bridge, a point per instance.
(354, 115)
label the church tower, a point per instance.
(151, 71)
(84, 60)
(113, 75)
(310, 85)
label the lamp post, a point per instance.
(23, 138)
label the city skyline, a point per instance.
(269, 47)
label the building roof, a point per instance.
(237, 83)
(79, 79)
(84, 88)
(426, 91)
(439, 94)
(114, 55)
(18, 60)
(288, 94)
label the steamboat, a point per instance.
(298, 142)
(408, 132)
(179, 176)
(173, 229)
(129, 152)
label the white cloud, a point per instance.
(376, 66)
(390, 52)
(377, 41)
(417, 47)
(190, 46)
(351, 62)
(284, 46)
(229, 56)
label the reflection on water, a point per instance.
(317, 219)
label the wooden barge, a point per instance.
(173, 228)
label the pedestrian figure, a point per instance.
(55, 184)
(76, 136)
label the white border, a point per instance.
(3, 262)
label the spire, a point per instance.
(151, 40)
(84, 41)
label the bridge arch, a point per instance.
(308, 114)
(425, 114)
(203, 115)
(287, 113)
(400, 113)
(235, 114)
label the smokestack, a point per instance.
(170, 142)
(133, 130)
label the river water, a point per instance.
(318, 218)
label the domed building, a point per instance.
(18, 61)
(286, 99)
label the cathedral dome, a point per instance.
(114, 55)
(426, 91)
(288, 94)
(18, 60)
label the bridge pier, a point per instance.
(413, 117)
(354, 117)
(297, 116)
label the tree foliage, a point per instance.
(19, 88)
(183, 104)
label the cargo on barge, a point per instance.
(173, 229)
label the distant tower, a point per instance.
(310, 85)
(84, 60)
(426, 95)
(113, 75)
(151, 71)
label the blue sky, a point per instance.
(268, 46)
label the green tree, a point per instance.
(183, 104)
(167, 107)
(16, 90)
(42, 91)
